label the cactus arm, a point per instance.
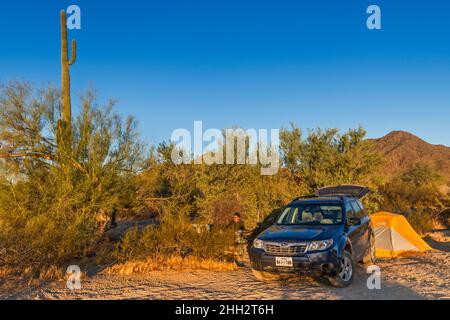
(74, 52)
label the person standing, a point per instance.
(237, 224)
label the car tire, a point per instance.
(370, 254)
(265, 276)
(345, 275)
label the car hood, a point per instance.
(300, 233)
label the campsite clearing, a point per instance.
(421, 277)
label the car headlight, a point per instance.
(258, 244)
(320, 245)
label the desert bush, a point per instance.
(416, 187)
(213, 193)
(326, 157)
(444, 218)
(53, 201)
(226, 189)
(175, 237)
(422, 220)
(415, 193)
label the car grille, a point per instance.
(289, 249)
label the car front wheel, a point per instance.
(344, 276)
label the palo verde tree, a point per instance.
(60, 173)
(326, 157)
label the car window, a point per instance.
(357, 209)
(349, 211)
(311, 214)
(363, 211)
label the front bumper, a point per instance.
(325, 262)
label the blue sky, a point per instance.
(257, 64)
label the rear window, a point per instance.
(311, 214)
(358, 209)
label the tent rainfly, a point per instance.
(395, 237)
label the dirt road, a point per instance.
(414, 278)
(426, 277)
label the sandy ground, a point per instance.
(424, 277)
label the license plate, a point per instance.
(284, 262)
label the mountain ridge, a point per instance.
(402, 150)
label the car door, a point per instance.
(365, 226)
(352, 230)
(361, 232)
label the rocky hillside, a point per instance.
(402, 150)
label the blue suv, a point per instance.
(322, 235)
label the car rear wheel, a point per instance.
(344, 276)
(265, 276)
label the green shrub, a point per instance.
(422, 220)
(174, 237)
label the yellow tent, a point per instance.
(395, 237)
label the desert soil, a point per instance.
(423, 277)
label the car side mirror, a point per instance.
(354, 221)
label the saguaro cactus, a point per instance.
(66, 110)
(65, 64)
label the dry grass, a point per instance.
(50, 273)
(4, 272)
(169, 263)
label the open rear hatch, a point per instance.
(354, 191)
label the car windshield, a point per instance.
(311, 214)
